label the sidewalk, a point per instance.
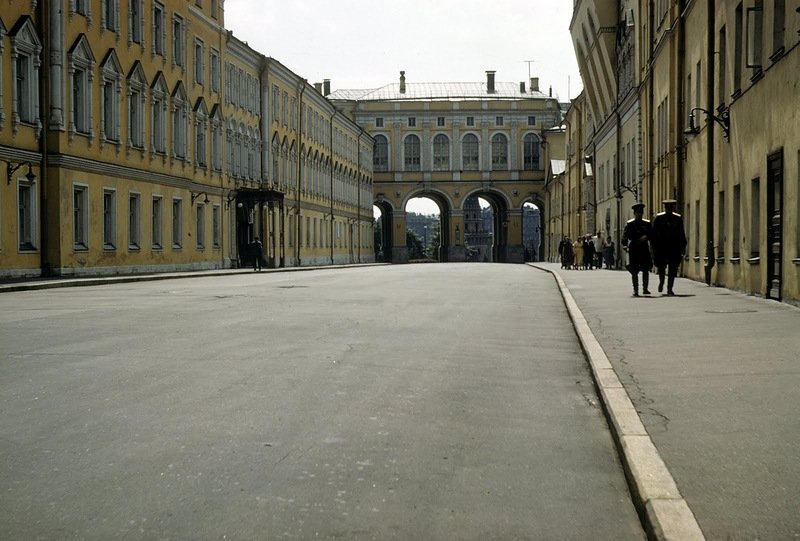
(715, 378)
(51, 283)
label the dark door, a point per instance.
(774, 224)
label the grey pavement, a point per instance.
(387, 402)
(715, 378)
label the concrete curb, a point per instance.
(44, 283)
(662, 509)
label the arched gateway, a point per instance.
(450, 142)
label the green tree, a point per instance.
(414, 245)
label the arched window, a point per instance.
(441, 153)
(411, 153)
(469, 152)
(530, 152)
(499, 152)
(380, 155)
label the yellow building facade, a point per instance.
(706, 101)
(450, 141)
(140, 136)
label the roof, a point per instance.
(437, 91)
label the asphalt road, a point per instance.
(398, 402)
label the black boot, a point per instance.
(645, 282)
(635, 280)
(660, 282)
(670, 283)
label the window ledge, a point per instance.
(796, 260)
(720, 259)
(696, 258)
(754, 260)
(736, 260)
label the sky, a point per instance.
(360, 44)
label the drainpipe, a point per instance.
(299, 170)
(682, 105)
(42, 22)
(330, 195)
(710, 150)
(358, 195)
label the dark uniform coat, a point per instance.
(636, 237)
(669, 239)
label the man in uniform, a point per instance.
(669, 244)
(636, 241)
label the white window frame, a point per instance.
(25, 62)
(199, 61)
(159, 29)
(80, 217)
(136, 22)
(109, 219)
(200, 226)
(216, 225)
(157, 222)
(136, 87)
(180, 124)
(530, 142)
(81, 69)
(468, 165)
(215, 72)
(216, 139)
(158, 117)
(109, 16)
(177, 223)
(411, 162)
(111, 95)
(26, 215)
(499, 152)
(201, 135)
(178, 41)
(441, 152)
(134, 221)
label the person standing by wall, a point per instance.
(257, 251)
(636, 241)
(669, 244)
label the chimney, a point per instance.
(402, 82)
(318, 87)
(534, 84)
(326, 87)
(522, 87)
(490, 82)
(551, 91)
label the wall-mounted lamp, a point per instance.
(724, 120)
(198, 194)
(586, 206)
(11, 169)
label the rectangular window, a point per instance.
(134, 221)
(80, 101)
(738, 48)
(412, 122)
(755, 217)
(109, 220)
(722, 66)
(136, 21)
(736, 236)
(178, 42)
(470, 121)
(698, 86)
(721, 237)
(778, 26)
(24, 88)
(215, 73)
(159, 126)
(158, 222)
(440, 121)
(81, 6)
(200, 226)
(26, 215)
(379, 122)
(215, 226)
(110, 109)
(135, 118)
(200, 143)
(177, 223)
(199, 55)
(110, 15)
(498, 121)
(531, 121)
(755, 29)
(80, 217)
(697, 228)
(159, 29)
